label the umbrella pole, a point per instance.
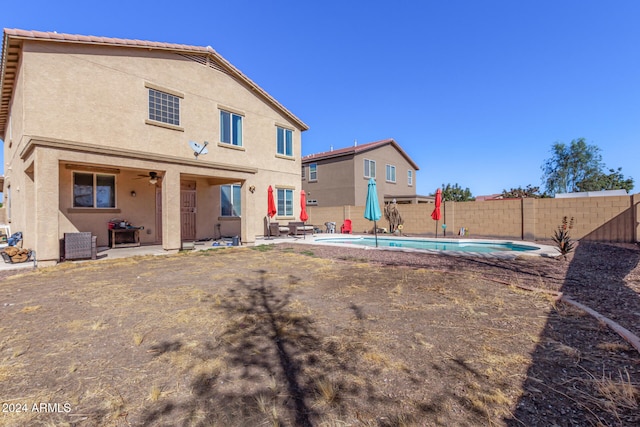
(375, 232)
(304, 231)
(436, 229)
(268, 227)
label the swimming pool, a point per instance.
(458, 246)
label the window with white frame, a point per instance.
(284, 202)
(284, 142)
(164, 107)
(230, 128)
(92, 190)
(410, 177)
(369, 168)
(230, 204)
(313, 172)
(390, 173)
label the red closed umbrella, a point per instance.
(436, 212)
(303, 212)
(271, 208)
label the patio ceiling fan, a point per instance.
(152, 176)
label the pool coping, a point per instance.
(544, 251)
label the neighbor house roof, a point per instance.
(12, 46)
(356, 149)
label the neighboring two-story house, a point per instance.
(98, 128)
(340, 177)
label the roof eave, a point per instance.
(360, 149)
(137, 44)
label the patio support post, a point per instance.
(171, 227)
(528, 207)
(46, 198)
(245, 229)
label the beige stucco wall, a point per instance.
(109, 105)
(105, 104)
(335, 183)
(385, 155)
(341, 180)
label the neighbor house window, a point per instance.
(284, 142)
(230, 128)
(313, 172)
(369, 168)
(230, 200)
(164, 107)
(391, 173)
(285, 202)
(409, 177)
(92, 190)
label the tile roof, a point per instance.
(355, 149)
(112, 41)
(12, 46)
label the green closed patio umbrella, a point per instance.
(372, 207)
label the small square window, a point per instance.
(164, 107)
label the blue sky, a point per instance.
(476, 92)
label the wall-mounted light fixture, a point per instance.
(252, 188)
(133, 193)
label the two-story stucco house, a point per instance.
(340, 177)
(98, 128)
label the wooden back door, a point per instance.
(188, 210)
(158, 215)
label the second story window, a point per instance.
(164, 107)
(284, 145)
(369, 168)
(390, 173)
(410, 177)
(313, 172)
(230, 128)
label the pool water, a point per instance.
(435, 245)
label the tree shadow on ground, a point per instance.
(272, 365)
(583, 373)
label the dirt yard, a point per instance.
(298, 335)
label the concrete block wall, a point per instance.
(489, 219)
(608, 219)
(604, 219)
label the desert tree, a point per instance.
(455, 193)
(578, 167)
